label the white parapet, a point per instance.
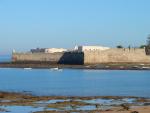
(48, 50)
(90, 48)
(55, 50)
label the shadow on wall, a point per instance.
(72, 58)
(147, 50)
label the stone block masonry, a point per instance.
(52, 58)
(115, 55)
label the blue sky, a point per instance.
(26, 24)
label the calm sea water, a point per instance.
(72, 82)
(5, 58)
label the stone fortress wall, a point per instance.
(52, 58)
(36, 57)
(115, 55)
(112, 55)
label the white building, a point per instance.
(54, 50)
(48, 50)
(90, 48)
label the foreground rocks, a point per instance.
(60, 104)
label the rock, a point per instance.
(125, 106)
(134, 112)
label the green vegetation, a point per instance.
(142, 46)
(148, 40)
(119, 46)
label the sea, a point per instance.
(5, 58)
(75, 82)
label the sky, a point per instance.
(26, 24)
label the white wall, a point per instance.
(55, 50)
(91, 48)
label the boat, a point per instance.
(55, 69)
(27, 68)
(145, 67)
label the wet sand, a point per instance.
(141, 109)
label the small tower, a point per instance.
(147, 48)
(13, 51)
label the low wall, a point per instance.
(116, 56)
(57, 58)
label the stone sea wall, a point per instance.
(116, 56)
(88, 57)
(56, 58)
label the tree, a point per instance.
(148, 40)
(142, 46)
(129, 47)
(119, 46)
(147, 48)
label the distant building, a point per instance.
(90, 48)
(54, 50)
(48, 50)
(38, 50)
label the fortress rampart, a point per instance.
(115, 55)
(112, 55)
(52, 58)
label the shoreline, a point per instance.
(104, 66)
(25, 93)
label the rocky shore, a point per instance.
(105, 66)
(11, 102)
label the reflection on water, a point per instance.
(70, 82)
